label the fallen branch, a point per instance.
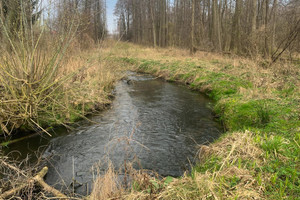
(286, 42)
(48, 188)
(4, 144)
(36, 179)
(3, 163)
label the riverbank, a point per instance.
(82, 85)
(258, 157)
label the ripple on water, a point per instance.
(164, 122)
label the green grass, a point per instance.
(275, 122)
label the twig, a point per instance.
(36, 179)
(41, 128)
(12, 167)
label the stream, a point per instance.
(152, 123)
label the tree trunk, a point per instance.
(209, 20)
(152, 6)
(193, 49)
(253, 26)
(274, 10)
(253, 18)
(162, 22)
(215, 27)
(235, 36)
(267, 45)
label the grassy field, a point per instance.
(258, 105)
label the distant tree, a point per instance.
(215, 26)
(236, 28)
(16, 13)
(90, 17)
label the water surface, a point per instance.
(152, 122)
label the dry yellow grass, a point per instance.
(82, 79)
(239, 145)
(94, 81)
(106, 186)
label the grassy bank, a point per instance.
(81, 83)
(258, 156)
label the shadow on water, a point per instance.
(156, 122)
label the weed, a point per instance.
(272, 144)
(263, 114)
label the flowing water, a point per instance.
(154, 124)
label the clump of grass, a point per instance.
(240, 145)
(106, 186)
(263, 114)
(272, 144)
(29, 77)
(139, 184)
(239, 115)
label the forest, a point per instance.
(248, 28)
(85, 110)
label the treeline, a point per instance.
(88, 16)
(247, 27)
(91, 18)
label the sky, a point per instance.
(111, 23)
